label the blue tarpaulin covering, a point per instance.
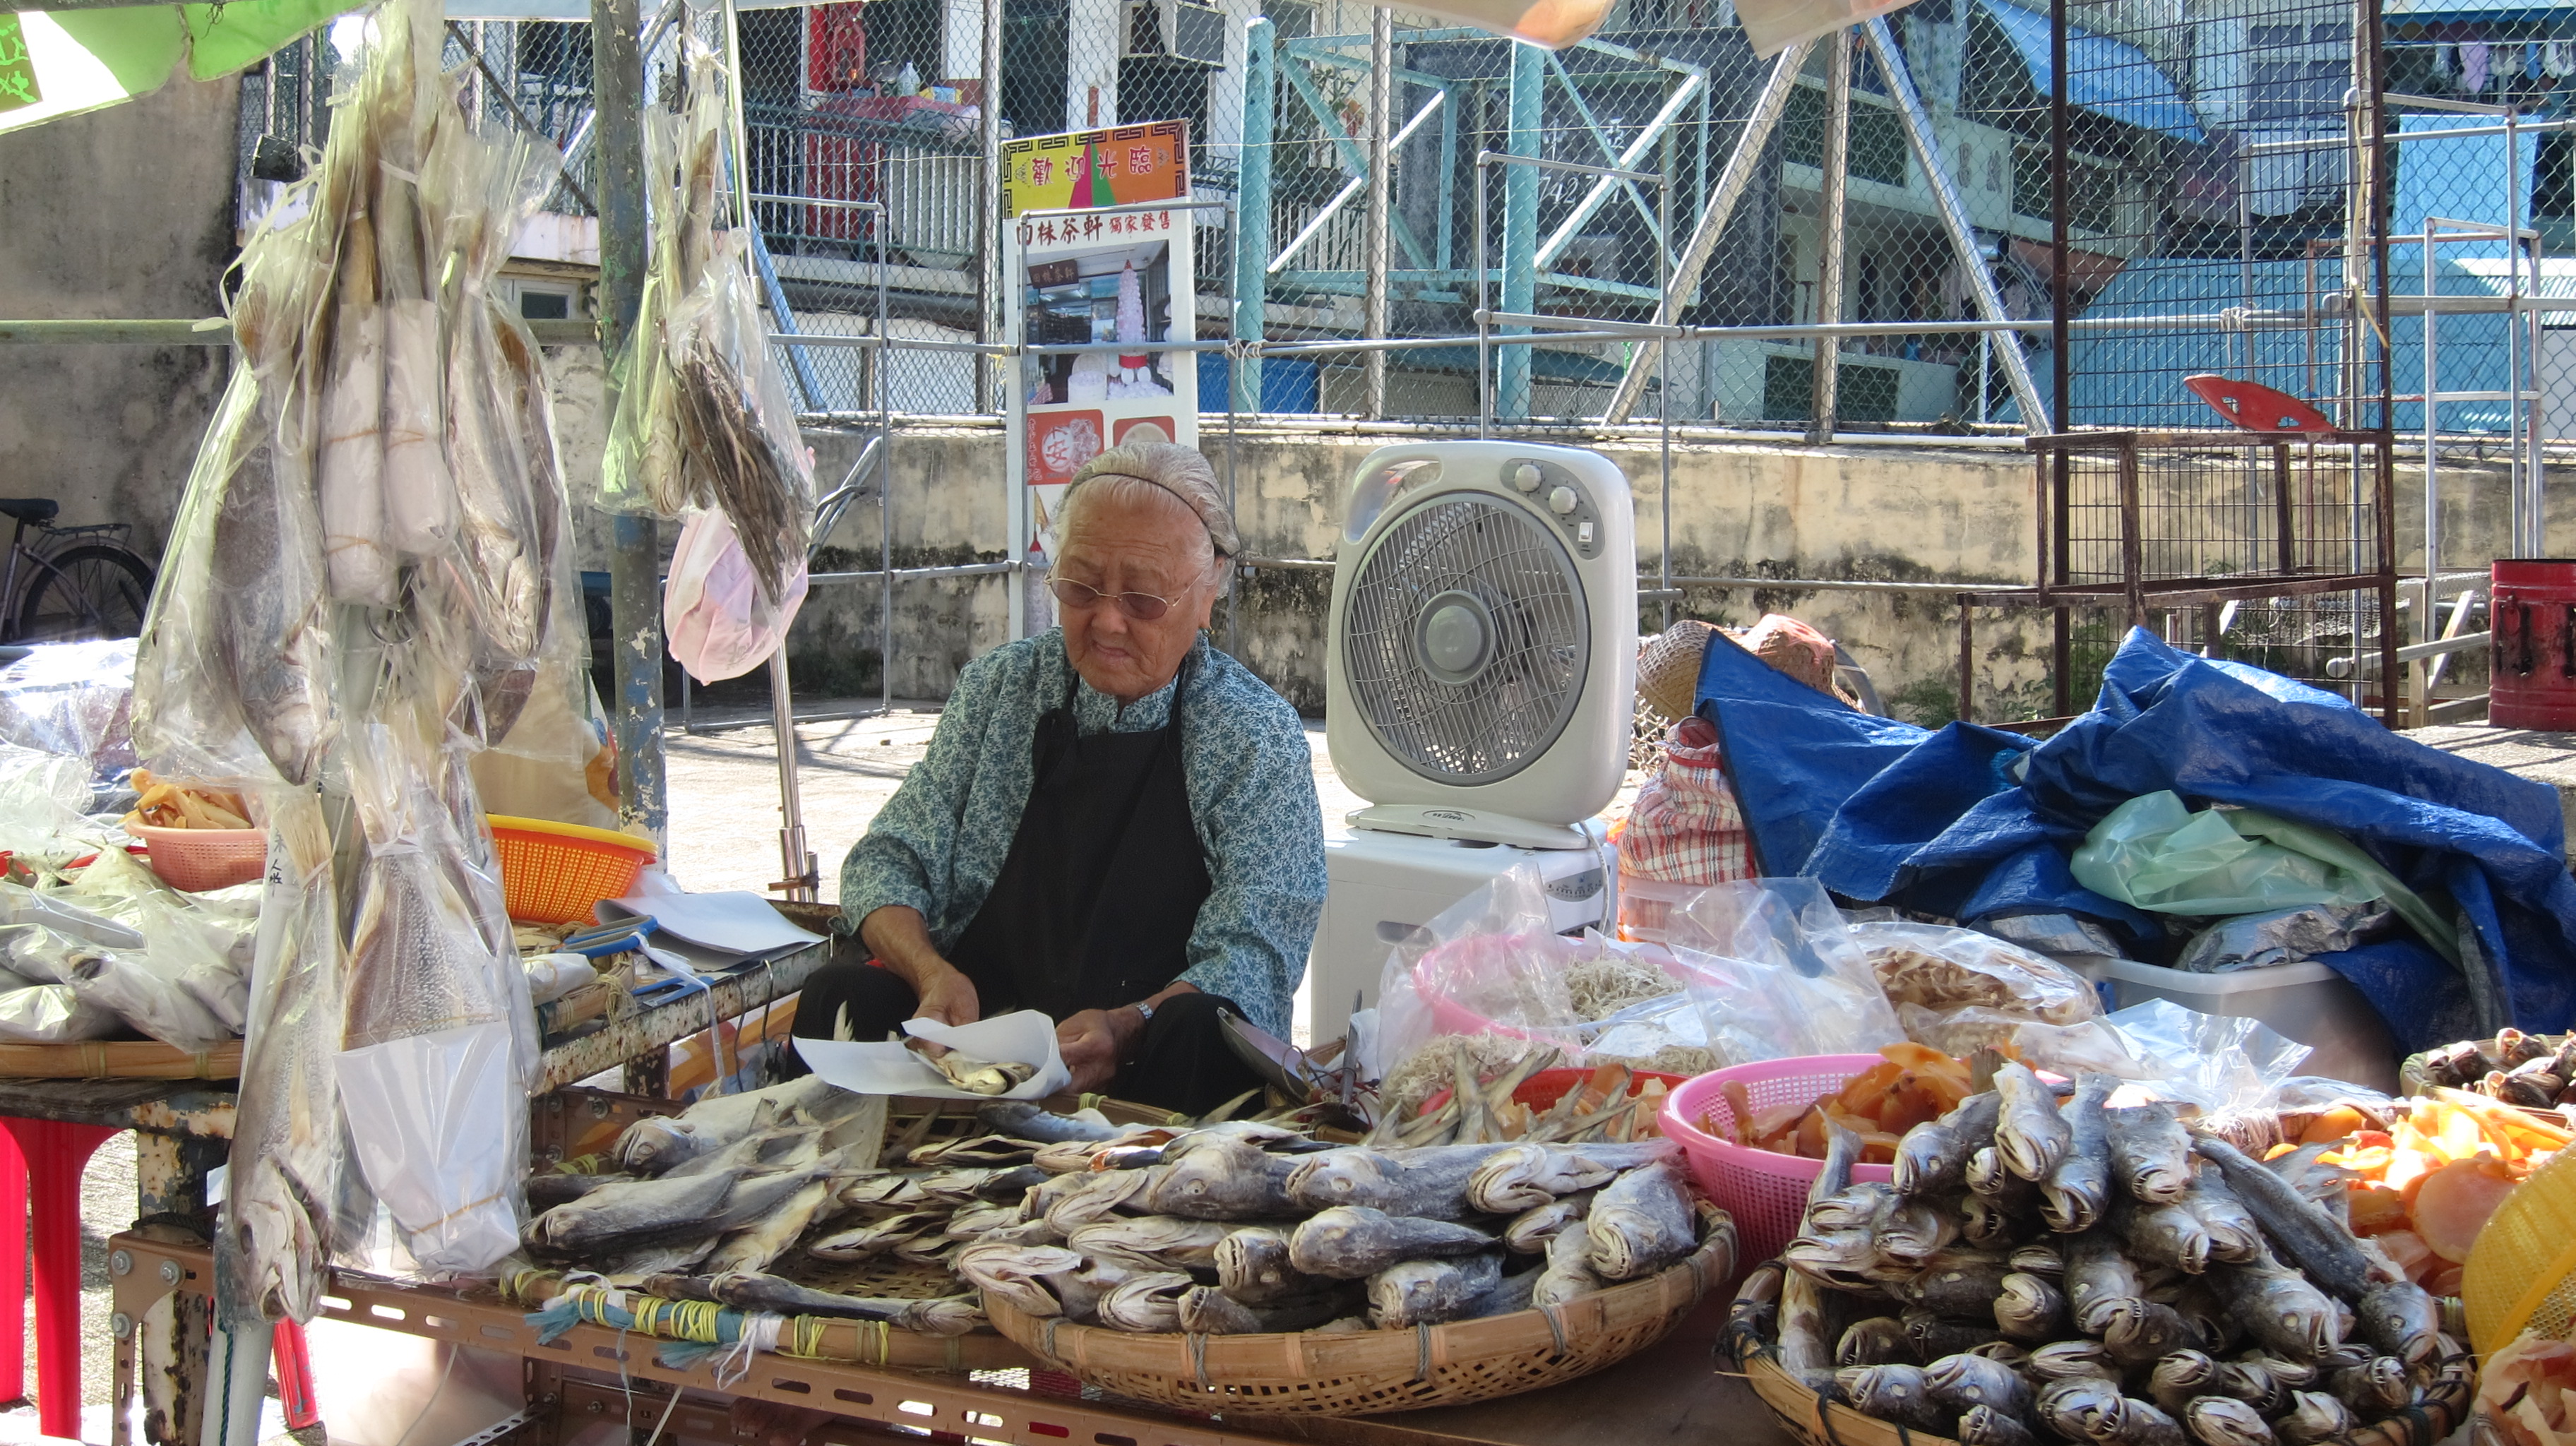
(2108, 77)
(1972, 822)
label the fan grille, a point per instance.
(1466, 555)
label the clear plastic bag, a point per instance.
(74, 700)
(737, 422)
(1488, 971)
(643, 469)
(1939, 969)
(53, 1014)
(1777, 974)
(716, 620)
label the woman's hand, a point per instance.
(1094, 1042)
(899, 939)
(948, 997)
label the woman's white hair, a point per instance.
(1164, 467)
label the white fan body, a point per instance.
(1480, 672)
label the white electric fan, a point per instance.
(1482, 661)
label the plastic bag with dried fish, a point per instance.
(1776, 974)
(231, 677)
(434, 1066)
(1940, 969)
(278, 1226)
(738, 422)
(642, 469)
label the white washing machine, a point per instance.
(1384, 886)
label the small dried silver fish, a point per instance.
(2313, 1416)
(1016, 1274)
(1892, 1392)
(1531, 1230)
(1151, 1242)
(1806, 1351)
(979, 1151)
(1427, 1292)
(1639, 1223)
(1430, 1182)
(1986, 1426)
(2375, 1387)
(1960, 1283)
(1252, 1267)
(2167, 1235)
(1223, 1179)
(2150, 1152)
(1106, 1193)
(1932, 1158)
(2077, 1187)
(2280, 1309)
(1568, 1273)
(1916, 1231)
(966, 1072)
(2080, 1408)
(2225, 1421)
(867, 1242)
(2097, 1271)
(1206, 1310)
(1877, 1341)
(2179, 1378)
(2234, 1236)
(1353, 1242)
(1150, 1302)
(2071, 1360)
(2028, 1308)
(1525, 1176)
(1029, 1120)
(2029, 1132)
(2138, 1331)
(1961, 1381)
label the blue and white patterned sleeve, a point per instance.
(1258, 819)
(909, 852)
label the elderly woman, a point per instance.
(1115, 823)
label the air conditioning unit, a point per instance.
(1176, 30)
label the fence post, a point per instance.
(1520, 225)
(988, 294)
(1828, 354)
(635, 554)
(1252, 214)
(1380, 163)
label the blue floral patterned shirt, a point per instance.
(939, 843)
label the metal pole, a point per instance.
(1954, 219)
(2432, 439)
(1484, 317)
(634, 561)
(1834, 168)
(740, 130)
(1664, 393)
(1732, 182)
(1252, 216)
(885, 483)
(989, 308)
(2514, 415)
(1380, 163)
(1520, 222)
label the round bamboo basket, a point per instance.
(1820, 1422)
(1362, 1373)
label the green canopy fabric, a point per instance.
(59, 63)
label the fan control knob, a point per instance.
(1526, 477)
(1561, 501)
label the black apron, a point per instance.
(1056, 934)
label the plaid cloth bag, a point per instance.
(1684, 832)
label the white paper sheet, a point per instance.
(888, 1068)
(736, 924)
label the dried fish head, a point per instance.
(2076, 1407)
(2402, 1319)
(1961, 1381)
(1892, 1392)
(2225, 1421)
(2313, 1416)
(1877, 1341)
(1639, 1223)
(1986, 1426)
(1150, 1302)
(2029, 1308)
(2030, 1132)
(1933, 1156)
(1225, 1179)
(2072, 1360)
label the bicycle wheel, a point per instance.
(90, 591)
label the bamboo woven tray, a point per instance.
(1363, 1373)
(1819, 1422)
(119, 1059)
(864, 1342)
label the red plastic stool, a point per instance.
(55, 1152)
(2257, 408)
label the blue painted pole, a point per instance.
(1252, 208)
(1520, 227)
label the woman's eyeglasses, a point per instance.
(1144, 607)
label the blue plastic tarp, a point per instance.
(1972, 822)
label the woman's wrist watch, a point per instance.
(1145, 1009)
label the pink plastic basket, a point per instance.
(199, 859)
(1765, 1192)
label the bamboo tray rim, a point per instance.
(119, 1059)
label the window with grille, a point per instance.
(2299, 73)
(1877, 135)
(2093, 190)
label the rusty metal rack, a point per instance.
(2198, 532)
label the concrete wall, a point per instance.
(125, 212)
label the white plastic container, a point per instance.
(1646, 907)
(2306, 1001)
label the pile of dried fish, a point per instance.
(1480, 1109)
(2517, 1068)
(1245, 1227)
(2040, 1272)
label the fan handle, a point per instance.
(1380, 474)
